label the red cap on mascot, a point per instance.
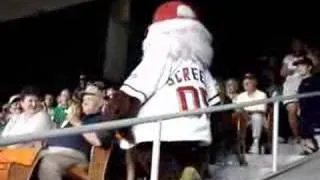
(173, 10)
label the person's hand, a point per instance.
(74, 113)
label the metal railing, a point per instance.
(115, 124)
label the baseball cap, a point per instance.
(303, 60)
(249, 76)
(14, 98)
(82, 77)
(92, 90)
(173, 10)
(100, 84)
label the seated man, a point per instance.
(257, 112)
(66, 151)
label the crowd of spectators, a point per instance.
(29, 112)
(297, 73)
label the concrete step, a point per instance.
(259, 165)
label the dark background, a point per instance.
(51, 49)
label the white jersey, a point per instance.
(165, 86)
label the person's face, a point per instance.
(297, 46)
(303, 69)
(91, 104)
(249, 85)
(30, 104)
(64, 97)
(232, 87)
(48, 100)
(82, 82)
(15, 108)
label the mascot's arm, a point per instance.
(142, 83)
(212, 90)
(121, 105)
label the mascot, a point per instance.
(172, 77)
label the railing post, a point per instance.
(156, 152)
(276, 116)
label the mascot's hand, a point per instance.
(119, 105)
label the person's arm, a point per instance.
(94, 138)
(285, 71)
(264, 106)
(11, 121)
(260, 108)
(212, 93)
(91, 138)
(41, 122)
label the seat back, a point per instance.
(19, 168)
(99, 162)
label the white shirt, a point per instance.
(289, 61)
(22, 124)
(164, 86)
(257, 95)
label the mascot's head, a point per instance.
(173, 10)
(176, 30)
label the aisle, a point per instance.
(259, 165)
(307, 171)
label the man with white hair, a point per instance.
(257, 113)
(172, 77)
(66, 151)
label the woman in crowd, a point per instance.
(59, 114)
(31, 119)
(292, 81)
(49, 104)
(232, 88)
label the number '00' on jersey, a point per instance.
(190, 84)
(170, 88)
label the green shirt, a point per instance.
(59, 115)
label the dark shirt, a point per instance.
(78, 142)
(310, 106)
(218, 117)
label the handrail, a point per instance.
(115, 124)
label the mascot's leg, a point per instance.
(192, 158)
(190, 173)
(178, 160)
